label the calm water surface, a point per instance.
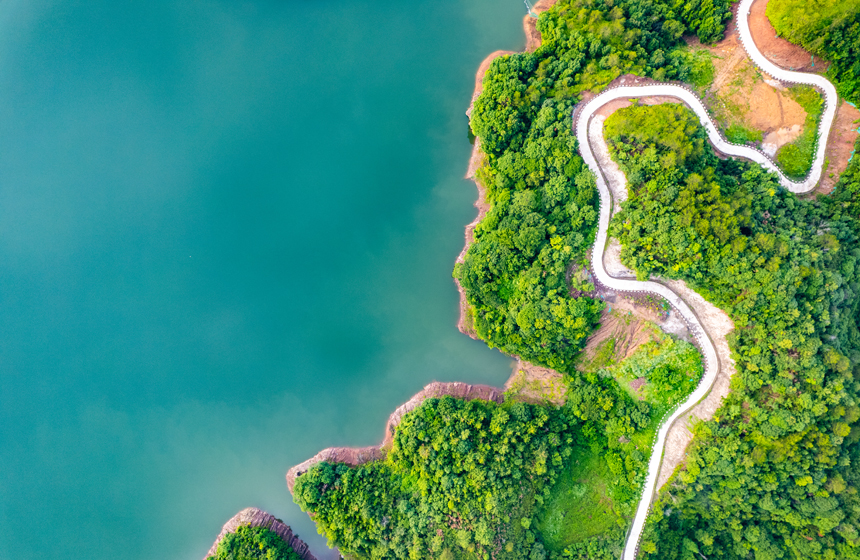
(226, 236)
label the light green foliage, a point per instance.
(701, 65)
(740, 134)
(795, 159)
(761, 478)
(670, 125)
(581, 506)
(253, 543)
(828, 28)
(671, 367)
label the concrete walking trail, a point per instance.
(711, 360)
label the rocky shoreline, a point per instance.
(259, 518)
(533, 41)
(354, 456)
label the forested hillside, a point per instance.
(474, 479)
(774, 474)
(543, 201)
(828, 28)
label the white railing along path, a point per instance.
(710, 361)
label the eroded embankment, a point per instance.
(259, 518)
(355, 456)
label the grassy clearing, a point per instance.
(581, 506)
(795, 159)
(587, 503)
(731, 115)
(740, 134)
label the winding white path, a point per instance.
(711, 361)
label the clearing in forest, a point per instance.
(751, 108)
(651, 367)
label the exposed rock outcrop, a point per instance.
(355, 456)
(259, 518)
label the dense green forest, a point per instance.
(543, 202)
(771, 475)
(828, 28)
(253, 543)
(472, 479)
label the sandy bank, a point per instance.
(259, 518)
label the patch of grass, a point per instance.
(604, 356)
(581, 505)
(671, 367)
(546, 390)
(795, 159)
(740, 134)
(701, 68)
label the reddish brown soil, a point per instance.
(533, 39)
(839, 146)
(740, 95)
(776, 49)
(791, 56)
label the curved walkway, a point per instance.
(711, 361)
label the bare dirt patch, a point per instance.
(533, 38)
(741, 95)
(627, 328)
(839, 146)
(629, 321)
(773, 141)
(535, 384)
(717, 325)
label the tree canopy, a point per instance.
(770, 476)
(543, 201)
(254, 543)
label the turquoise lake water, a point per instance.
(227, 230)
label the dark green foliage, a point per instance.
(828, 28)
(704, 18)
(462, 476)
(846, 197)
(773, 474)
(471, 478)
(254, 543)
(543, 201)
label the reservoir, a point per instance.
(227, 230)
